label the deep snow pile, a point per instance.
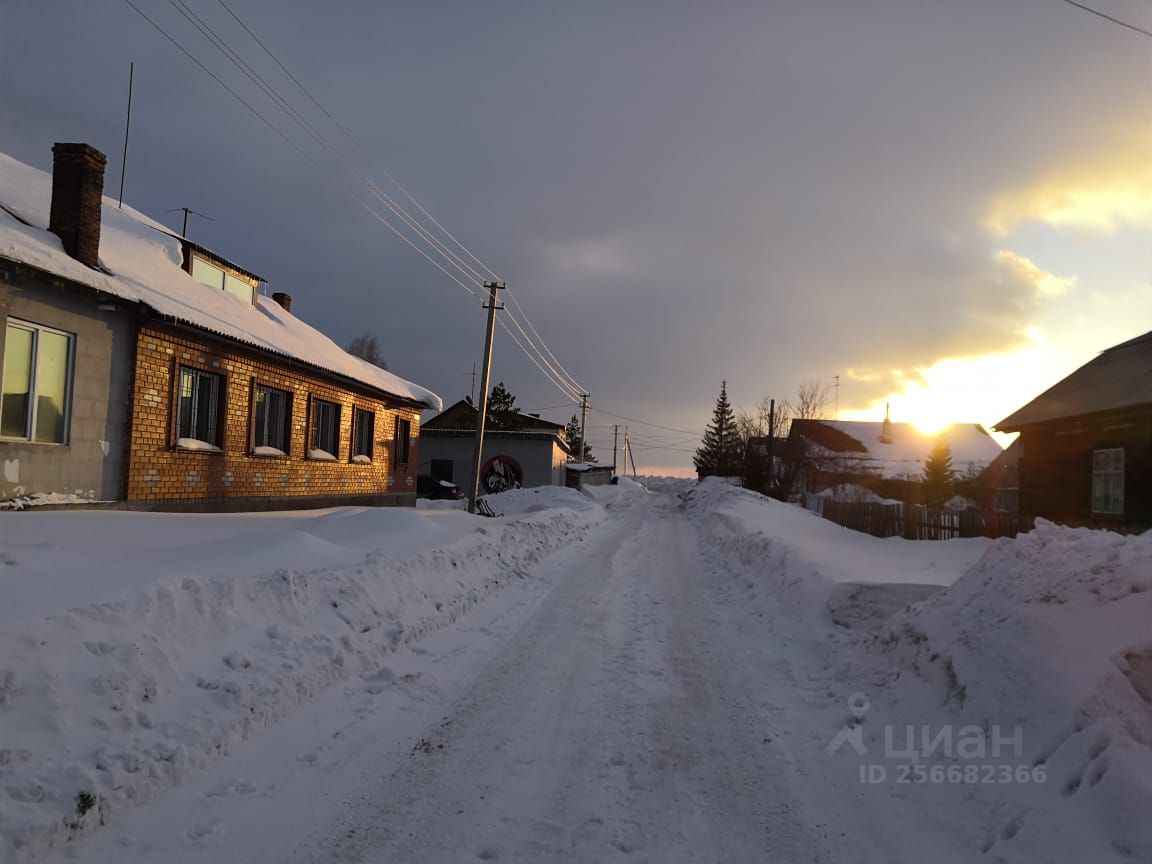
(837, 554)
(1051, 633)
(1045, 640)
(108, 702)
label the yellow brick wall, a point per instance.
(157, 471)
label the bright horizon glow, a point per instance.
(983, 389)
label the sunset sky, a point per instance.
(949, 205)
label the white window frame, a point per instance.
(227, 277)
(30, 424)
(1108, 467)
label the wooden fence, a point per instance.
(916, 522)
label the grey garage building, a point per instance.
(533, 454)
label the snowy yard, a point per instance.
(680, 673)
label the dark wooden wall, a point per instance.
(1056, 468)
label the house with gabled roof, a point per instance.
(526, 451)
(829, 453)
(142, 368)
(1086, 443)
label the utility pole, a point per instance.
(627, 452)
(482, 412)
(583, 425)
(615, 435)
(633, 458)
(837, 414)
(771, 438)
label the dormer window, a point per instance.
(218, 275)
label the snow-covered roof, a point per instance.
(1118, 378)
(142, 260)
(904, 448)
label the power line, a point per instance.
(528, 321)
(555, 372)
(546, 363)
(549, 407)
(646, 423)
(550, 360)
(459, 263)
(559, 385)
(256, 78)
(353, 138)
(307, 156)
(1108, 17)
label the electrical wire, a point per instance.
(351, 137)
(234, 57)
(646, 423)
(1108, 17)
(544, 352)
(548, 364)
(550, 359)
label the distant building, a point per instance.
(1086, 443)
(140, 367)
(533, 452)
(581, 475)
(827, 453)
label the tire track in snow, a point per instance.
(614, 725)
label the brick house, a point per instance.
(140, 367)
(1086, 443)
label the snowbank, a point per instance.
(517, 502)
(835, 553)
(1044, 640)
(1050, 632)
(163, 640)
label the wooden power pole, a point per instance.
(482, 409)
(583, 425)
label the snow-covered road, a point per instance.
(602, 714)
(616, 721)
(665, 689)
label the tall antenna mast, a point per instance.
(127, 127)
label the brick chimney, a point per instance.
(77, 188)
(284, 300)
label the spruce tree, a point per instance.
(501, 408)
(572, 435)
(938, 475)
(722, 450)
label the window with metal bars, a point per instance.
(198, 407)
(403, 440)
(270, 411)
(324, 433)
(363, 428)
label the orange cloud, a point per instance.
(1102, 192)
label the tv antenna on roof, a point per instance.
(189, 210)
(127, 126)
